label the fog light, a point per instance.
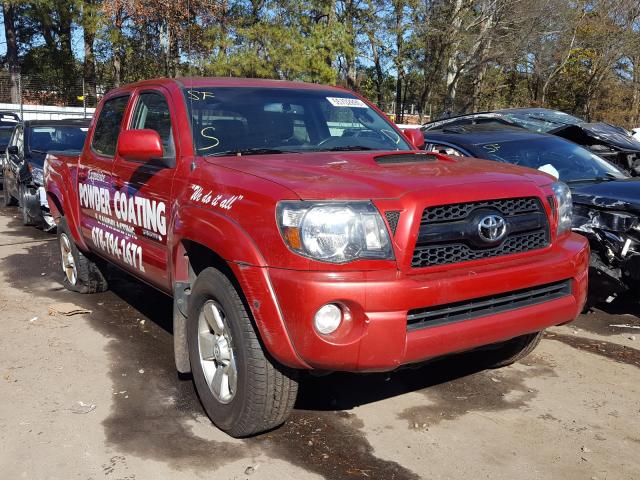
(327, 319)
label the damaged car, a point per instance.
(8, 121)
(24, 159)
(612, 143)
(606, 200)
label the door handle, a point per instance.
(118, 183)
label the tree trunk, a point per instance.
(453, 71)
(399, 14)
(12, 51)
(69, 79)
(89, 69)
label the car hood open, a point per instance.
(597, 133)
(613, 194)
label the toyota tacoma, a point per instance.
(298, 229)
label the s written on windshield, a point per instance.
(227, 119)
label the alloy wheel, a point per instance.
(215, 348)
(68, 262)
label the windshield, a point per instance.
(246, 120)
(542, 121)
(5, 136)
(570, 161)
(42, 139)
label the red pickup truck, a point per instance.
(298, 229)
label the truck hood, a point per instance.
(613, 194)
(373, 175)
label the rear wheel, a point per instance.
(243, 391)
(81, 274)
(7, 198)
(506, 353)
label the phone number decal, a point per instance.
(121, 248)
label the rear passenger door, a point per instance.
(143, 197)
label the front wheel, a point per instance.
(243, 391)
(506, 353)
(81, 274)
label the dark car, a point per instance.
(24, 159)
(612, 143)
(606, 201)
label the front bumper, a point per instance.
(377, 339)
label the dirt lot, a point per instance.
(571, 410)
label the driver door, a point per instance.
(148, 185)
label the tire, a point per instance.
(264, 392)
(80, 273)
(7, 198)
(506, 353)
(26, 218)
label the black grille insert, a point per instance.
(484, 306)
(449, 233)
(393, 216)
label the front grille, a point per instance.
(449, 233)
(459, 211)
(484, 306)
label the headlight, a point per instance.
(564, 210)
(335, 232)
(37, 174)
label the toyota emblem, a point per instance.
(492, 228)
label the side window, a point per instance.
(152, 112)
(105, 135)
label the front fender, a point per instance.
(218, 232)
(226, 238)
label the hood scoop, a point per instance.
(394, 158)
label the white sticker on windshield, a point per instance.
(347, 102)
(550, 169)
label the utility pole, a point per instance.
(84, 101)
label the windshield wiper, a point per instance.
(250, 151)
(345, 148)
(608, 177)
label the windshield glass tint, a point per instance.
(572, 162)
(5, 136)
(60, 137)
(542, 121)
(226, 120)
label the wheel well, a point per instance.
(56, 202)
(192, 258)
(201, 257)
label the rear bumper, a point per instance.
(377, 339)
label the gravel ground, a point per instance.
(96, 396)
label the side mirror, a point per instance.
(415, 136)
(139, 145)
(13, 150)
